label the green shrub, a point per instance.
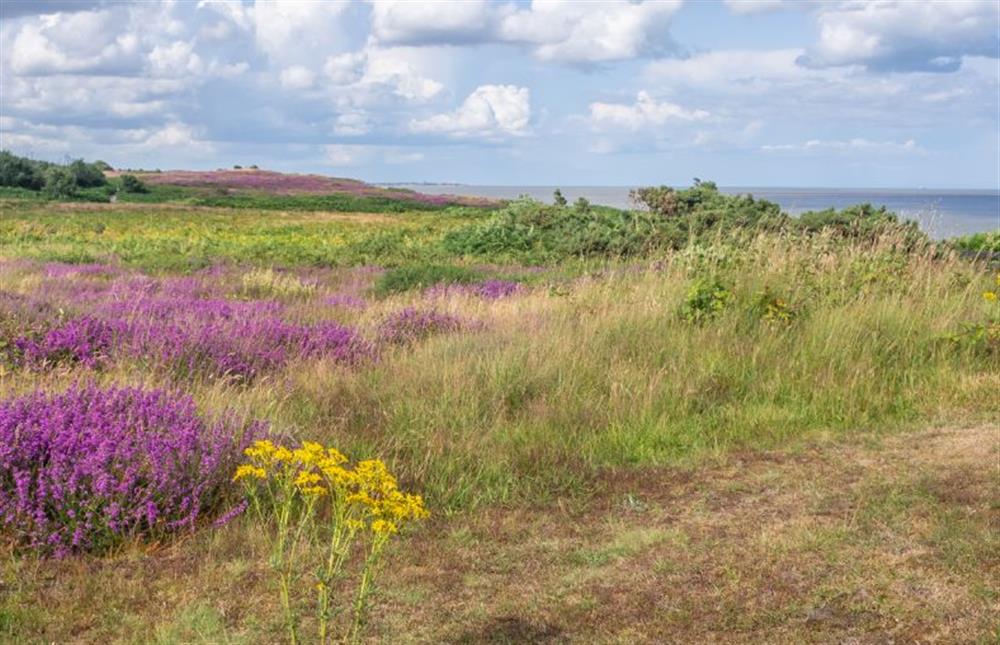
(988, 242)
(406, 278)
(706, 298)
(59, 182)
(86, 175)
(19, 172)
(132, 184)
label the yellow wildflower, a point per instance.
(383, 527)
(249, 470)
(991, 296)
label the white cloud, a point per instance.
(564, 31)
(576, 32)
(403, 157)
(173, 135)
(399, 22)
(645, 113)
(352, 124)
(86, 42)
(297, 77)
(857, 144)
(759, 6)
(295, 31)
(176, 59)
(366, 76)
(491, 111)
(340, 154)
(905, 36)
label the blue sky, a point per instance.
(750, 92)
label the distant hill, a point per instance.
(276, 183)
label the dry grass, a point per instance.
(858, 541)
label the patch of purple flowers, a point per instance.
(488, 289)
(410, 325)
(87, 468)
(345, 300)
(83, 340)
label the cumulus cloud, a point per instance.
(297, 77)
(645, 113)
(906, 36)
(88, 42)
(553, 30)
(374, 74)
(490, 112)
(759, 6)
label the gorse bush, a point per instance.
(309, 496)
(87, 468)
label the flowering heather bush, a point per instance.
(84, 340)
(290, 184)
(88, 468)
(410, 325)
(488, 289)
(236, 340)
(345, 300)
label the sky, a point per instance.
(745, 92)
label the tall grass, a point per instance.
(575, 375)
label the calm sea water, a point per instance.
(942, 213)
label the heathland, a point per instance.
(697, 419)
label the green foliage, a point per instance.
(978, 242)
(55, 181)
(706, 298)
(87, 175)
(19, 172)
(341, 202)
(773, 309)
(59, 182)
(862, 222)
(407, 278)
(557, 198)
(132, 184)
(534, 232)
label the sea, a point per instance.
(939, 212)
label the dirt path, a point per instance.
(846, 543)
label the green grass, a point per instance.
(595, 375)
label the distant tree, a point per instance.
(132, 184)
(60, 182)
(19, 172)
(237, 167)
(253, 167)
(582, 204)
(103, 166)
(558, 198)
(86, 175)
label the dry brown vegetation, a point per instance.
(863, 540)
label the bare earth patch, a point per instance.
(837, 543)
(865, 541)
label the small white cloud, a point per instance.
(297, 77)
(172, 135)
(352, 124)
(645, 113)
(857, 144)
(491, 111)
(176, 59)
(759, 6)
(396, 156)
(340, 154)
